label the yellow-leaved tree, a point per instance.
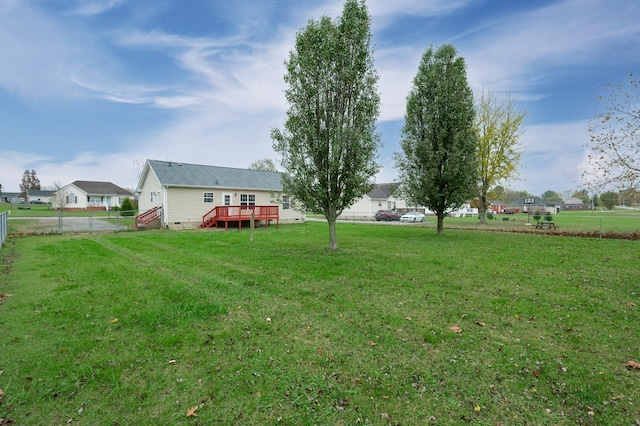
(499, 127)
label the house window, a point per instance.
(151, 198)
(247, 199)
(72, 199)
(227, 199)
(285, 202)
(95, 201)
(208, 197)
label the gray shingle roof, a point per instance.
(382, 191)
(171, 173)
(101, 188)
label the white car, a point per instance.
(412, 217)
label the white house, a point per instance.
(89, 195)
(185, 194)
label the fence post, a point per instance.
(60, 221)
(3, 227)
(252, 227)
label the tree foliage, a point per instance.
(614, 161)
(265, 164)
(609, 199)
(551, 195)
(499, 127)
(329, 144)
(29, 181)
(438, 158)
(126, 207)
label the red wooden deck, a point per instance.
(239, 214)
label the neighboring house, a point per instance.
(576, 204)
(524, 205)
(89, 195)
(381, 197)
(36, 196)
(186, 193)
(10, 197)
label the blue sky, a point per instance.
(90, 89)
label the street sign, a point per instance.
(529, 200)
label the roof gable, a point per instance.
(170, 173)
(382, 191)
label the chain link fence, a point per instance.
(71, 222)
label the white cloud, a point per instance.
(94, 7)
(554, 156)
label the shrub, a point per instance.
(127, 207)
(548, 217)
(536, 216)
(490, 216)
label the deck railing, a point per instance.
(238, 214)
(148, 216)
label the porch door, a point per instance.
(226, 199)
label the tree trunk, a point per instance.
(333, 241)
(482, 208)
(440, 223)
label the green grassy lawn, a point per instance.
(399, 326)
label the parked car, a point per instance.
(387, 215)
(412, 217)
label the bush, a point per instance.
(536, 216)
(490, 216)
(548, 217)
(127, 207)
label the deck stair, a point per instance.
(148, 216)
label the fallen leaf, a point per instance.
(114, 320)
(628, 303)
(408, 318)
(172, 361)
(633, 365)
(192, 411)
(455, 329)
(3, 295)
(536, 373)
(480, 323)
(476, 408)
(1, 394)
(373, 344)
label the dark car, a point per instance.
(387, 215)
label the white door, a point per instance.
(226, 199)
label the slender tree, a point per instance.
(614, 161)
(438, 159)
(499, 127)
(29, 181)
(329, 144)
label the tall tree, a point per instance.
(265, 164)
(615, 138)
(329, 145)
(438, 158)
(499, 127)
(29, 181)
